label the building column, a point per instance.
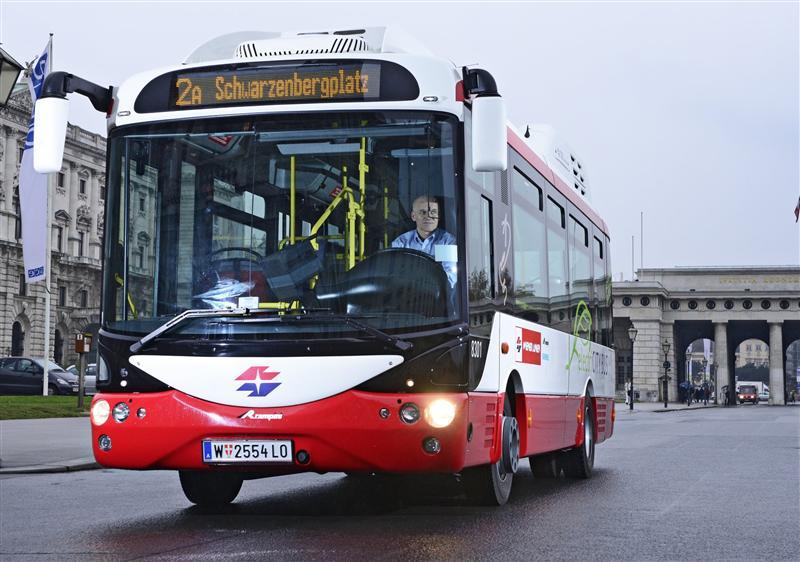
(721, 359)
(646, 362)
(94, 204)
(777, 379)
(71, 186)
(10, 162)
(5, 180)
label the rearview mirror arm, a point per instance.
(59, 84)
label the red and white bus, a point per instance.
(329, 252)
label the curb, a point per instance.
(627, 410)
(86, 463)
(684, 409)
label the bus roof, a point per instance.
(553, 158)
(541, 145)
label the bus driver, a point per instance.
(427, 235)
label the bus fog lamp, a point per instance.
(431, 445)
(121, 412)
(140, 413)
(100, 412)
(440, 413)
(409, 413)
(104, 442)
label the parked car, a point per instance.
(747, 393)
(90, 378)
(23, 375)
(764, 395)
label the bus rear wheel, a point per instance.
(491, 484)
(210, 489)
(545, 466)
(579, 461)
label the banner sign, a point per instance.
(33, 188)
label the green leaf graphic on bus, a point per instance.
(581, 329)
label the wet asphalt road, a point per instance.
(703, 484)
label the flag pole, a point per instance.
(48, 266)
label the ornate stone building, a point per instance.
(730, 306)
(76, 215)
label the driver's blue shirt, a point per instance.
(438, 237)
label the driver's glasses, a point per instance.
(430, 213)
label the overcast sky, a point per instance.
(688, 112)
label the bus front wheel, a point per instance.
(491, 484)
(210, 489)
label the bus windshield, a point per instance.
(352, 213)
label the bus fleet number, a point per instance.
(476, 349)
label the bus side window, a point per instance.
(558, 280)
(530, 249)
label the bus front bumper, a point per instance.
(353, 432)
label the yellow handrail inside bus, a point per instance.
(363, 168)
(121, 283)
(355, 224)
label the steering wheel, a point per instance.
(235, 249)
(209, 276)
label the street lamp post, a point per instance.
(704, 386)
(714, 380)
(9, 72)
(665, 346)
(632, 335)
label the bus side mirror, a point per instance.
(489, 139)
(49, 134)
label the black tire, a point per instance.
(491, 484)
(545, 466)
(579, 461)
(210, 489)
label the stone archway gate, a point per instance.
(725, 304)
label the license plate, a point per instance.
(240, 451)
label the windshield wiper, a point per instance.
(317, 314)
(311, 314)
(402, 345)
(195, 313)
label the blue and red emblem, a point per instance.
(257, 375)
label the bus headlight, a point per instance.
(100, 412)
(440, 413)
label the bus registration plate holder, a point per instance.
(247, 451)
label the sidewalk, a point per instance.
(45, 445)
(658, 407)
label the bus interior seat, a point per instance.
(288, 269)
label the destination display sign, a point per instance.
(271, 83)
(330, 83)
